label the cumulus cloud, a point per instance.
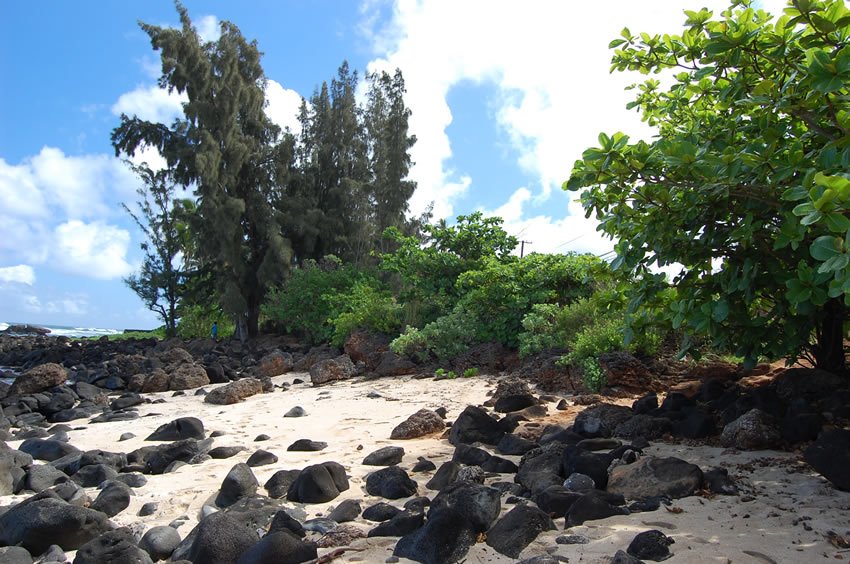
(548, 64)
(19, 193)
(70, 305)
(82, 186)
(150, 103)
(52, 187)
(20, 274)
(97, 250)
(208, 28)
(283, 105)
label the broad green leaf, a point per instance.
(825, 247)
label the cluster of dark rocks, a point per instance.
(552, 478)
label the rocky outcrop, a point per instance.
(332, 370)
(423, 422)
(234, 392)
(38, 379)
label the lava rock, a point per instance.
(385, 456)
(179, 429)
(319, 483)
(445, 538)
(752, 431)
(423, 422)
(829, 455)
(478, 504)
(306, 445)
(390, 483)
(475, 425)
(113, 499)
(160, 542)
(280, 546)
(261, 458)
(113, 546)
(346, 511)
(239, 482)
(278, 485)
(601, 420)
(653, 477)
(36, 524)
(651, 545)
(332, 370)
(517, 529)
(219, 538)
(514, 445)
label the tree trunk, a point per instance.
(829, 350)
(253, 321)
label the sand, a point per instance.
(784, 513)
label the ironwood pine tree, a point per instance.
(227, 147)
(352, 165)
(159, 282)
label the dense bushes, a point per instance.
(324, 301)
(460, 286)
(196, 321)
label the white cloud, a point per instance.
(151, 103)
(283, 105)
(96, 250)
(553, 232)
(208, 28)
(80, 185)
(70, 305)
(19, 193)
(549, 63)
(20, 274)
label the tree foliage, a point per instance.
(746, 185)
(348, 177)
(428, 270)
(161, 217)
(229, 149)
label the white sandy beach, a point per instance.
(784, 512)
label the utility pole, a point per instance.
(522, 248)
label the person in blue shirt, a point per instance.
(214, 331)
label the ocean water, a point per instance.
(67, 331)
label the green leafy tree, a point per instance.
(228, 148)
(160, 281)
(746, 184)
(429, 269)
(501, 293)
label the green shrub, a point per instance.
(196, 322)
(593, 376)
(309, 302)
(442, 339)
(451, 375)
(470, 372)
(502, 293)
(367, 307)
(605, 335)
(539, 330)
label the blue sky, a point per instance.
(505, 96)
